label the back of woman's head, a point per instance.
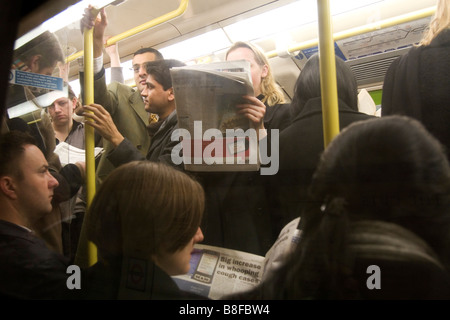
(307, 85)
(388, 168)
(384, 171)
(145, 208)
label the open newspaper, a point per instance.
(214, 136)
(217, 272)
(70, 154)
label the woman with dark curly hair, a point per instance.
(378, 221)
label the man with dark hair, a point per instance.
(159, 99)
(124, 103)
(28, 269)
(39, 55)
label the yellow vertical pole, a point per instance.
(87, 252)
(328, 86)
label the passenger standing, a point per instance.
(237, 213)
(416, 84)
(159, 99)
(302, 142)
(124, 103)
(378, 224)
(69, 131)
(28, 269)
(265, 88)
(61, 114)
(144, 219)
(41, 55)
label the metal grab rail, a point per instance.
(328, 86)
(150, 24)
(86, 254)
(362, 29)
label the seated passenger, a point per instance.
(28, 268)
(302, 142)
(378, 223)
(144, 220)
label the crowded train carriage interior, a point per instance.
(246, 208)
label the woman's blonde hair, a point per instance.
(269, 88)
(145, 208)
(440, 22)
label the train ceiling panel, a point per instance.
(206, 15)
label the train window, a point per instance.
(49, 55)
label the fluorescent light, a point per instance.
(70, 15)
(198, 46)
(298, 13)
(21, 109)
(76, 87)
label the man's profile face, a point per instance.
(140, 74)
(35, 187)
(156, 99)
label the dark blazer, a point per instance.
(301, 145)
(28, 269)
(417, 85)
(160, 149)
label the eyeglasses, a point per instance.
(135, 68)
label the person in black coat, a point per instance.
(302, 142)
(28, 268)
(159, 99)
(379, 220)
(417, 83)
(237, 212)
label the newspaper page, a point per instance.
(283, 246)
(70, 154)
(216, 272)
(214, 136)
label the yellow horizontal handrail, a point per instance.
(133, 31)
(362, 29)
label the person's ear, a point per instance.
(8, 187)
(74, 103)
(265, 71)
(171, 95)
